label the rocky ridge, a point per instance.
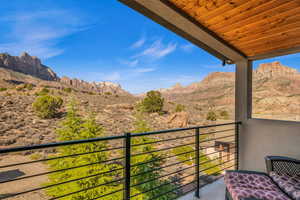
(266, 70)
(27, 64)
(29, 69)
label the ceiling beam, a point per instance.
(272, 54)
(162, 12)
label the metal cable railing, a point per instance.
(165, 167)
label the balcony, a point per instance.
(167, 164)
(193, 159)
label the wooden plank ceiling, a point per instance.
(254, 27)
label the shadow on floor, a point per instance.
(10, 175)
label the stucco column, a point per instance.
(243, 90)
(243, 104)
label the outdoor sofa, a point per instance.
(281, 182)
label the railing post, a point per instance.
(127, 165)
(197, 168)
(237, 145)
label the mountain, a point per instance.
(99, 87)
(267, 70)
(276, 91)
(29, 69)
(27, 64)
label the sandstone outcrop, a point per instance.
(180, 119)
(27, 64)
(98, 87)
(29, 69)
(275, 69)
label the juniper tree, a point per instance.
(74, 127)
(152, 161)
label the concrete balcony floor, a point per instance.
(213, 191)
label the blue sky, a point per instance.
(104, 41)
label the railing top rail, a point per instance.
(182, 129)
(73, 142)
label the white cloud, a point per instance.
(158, 50)
(187, 47)
(131, 63)
(144, 70)
(139, 43)
(39, 33)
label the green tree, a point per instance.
(47, 106)
(74, 127)
(146, 169)
(153, 102)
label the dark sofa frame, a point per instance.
(278, 164)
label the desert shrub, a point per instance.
(2, 89)
(29, 86)
(108, 93)
(224, 114)
(153, 102)
(211, 115)
(42, 92)
(91, 93)
(74, 127)
(47, 106)
(68, 90)
(179, 108)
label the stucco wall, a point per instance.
(260, 137)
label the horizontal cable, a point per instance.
(60, 170)
(182, 129)
(143, 153)
(163, 140)
(163, 184)
(72, 142)
(158, 159)
(155, 197)
(213, 160)
(220, 131)
(78, 191)
(216, 138)
(176, 164)
(57, 144)
(57, 184)
(163, 167)
(201, 148)
(216, 165)
(222, 170)
(107, 194)
(162, 176)
(55, 158)
(217, 151)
